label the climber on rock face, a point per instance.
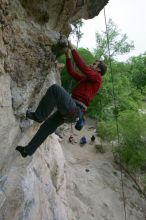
(69, 108)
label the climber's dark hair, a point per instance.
(102, 66)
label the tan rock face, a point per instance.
(34, 188)
(46, 186)
(59, 14)
(28, 32)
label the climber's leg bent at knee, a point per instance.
(48, 127)
(55, 96)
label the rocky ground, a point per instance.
(94, 181)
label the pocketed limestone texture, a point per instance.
(45, 186)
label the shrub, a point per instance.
(132, 126)
(107, 130)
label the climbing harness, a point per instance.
(115, 106)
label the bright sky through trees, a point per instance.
(130, 18)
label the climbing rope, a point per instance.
(115, 107)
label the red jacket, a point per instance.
(87, 85)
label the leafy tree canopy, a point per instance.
(118, 42)
(137, 68)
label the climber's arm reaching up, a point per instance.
(76, 75)
(84, 68)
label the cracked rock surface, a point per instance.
(61, 181)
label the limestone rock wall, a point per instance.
(35, 188)
(28, 31)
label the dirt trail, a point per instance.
(94, 180)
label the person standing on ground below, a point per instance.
(69, 108)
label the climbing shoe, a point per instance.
(22, 151)
(31, 115)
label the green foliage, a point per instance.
(87, 56)
(138, 71)
(94, 109)
(117, 94)
(132, 125)
(117, 42)
(107, 130)
(124, 103)
(120, 97)
(133, 132)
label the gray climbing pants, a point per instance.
(56, 96)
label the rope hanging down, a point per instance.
(115, 107)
